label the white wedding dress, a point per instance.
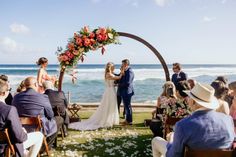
(106, 114)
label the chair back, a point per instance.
(32, 121)
(37, 124)
(4, 138)
(170, 121)
(210, 153)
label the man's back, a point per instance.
(32, 103)
(9, 119)
(205, 129)
(57, 99)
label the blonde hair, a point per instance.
(3, 86)
(169, 85)
(108, 68)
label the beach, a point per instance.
(137, 107)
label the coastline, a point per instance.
(137, 107)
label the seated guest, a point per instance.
(168, 96)
(220, 92)
(222, 79)
(232, 87)
(19, 137)
(9, 98)
(192, 83)
(204, 129)
(228, 97)
(32, 103)
(21, 87)
(58, 101)
(181, 108)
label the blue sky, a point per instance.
(185, 31)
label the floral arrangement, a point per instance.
(176, 108)
(84, 41)
(179, 109)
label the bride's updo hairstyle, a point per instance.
(108, 68)
(42, 60)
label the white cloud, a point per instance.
(135, 4)
(223, 1)
(8, 45)
(208, 19)
(96, 1)
(19, 28)
(161, 3)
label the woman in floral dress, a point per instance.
(168, 96)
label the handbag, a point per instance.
(156, 126)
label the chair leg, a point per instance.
(8, 152)
(62, 132)
(46, 146)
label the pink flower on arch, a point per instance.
(103, 30)
(91, 35)
(86, 29)
(104, 37)
(99, 37)
(86, 42)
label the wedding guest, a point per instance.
(192, 83)
(181, 87)
(222, 79)
(232, 87)
(32, 103)
(178, 75)
(182, 108)
(21, 87)
(19, 137)
(59, 103)
(209, 129)
(168, 95)
(9, 98)
(42, 73)
(220, 92)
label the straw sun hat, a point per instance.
(203, 94)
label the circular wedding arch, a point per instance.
(124, 34)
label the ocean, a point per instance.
(89, 86)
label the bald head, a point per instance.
(31, 82)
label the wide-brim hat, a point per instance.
(203, 94)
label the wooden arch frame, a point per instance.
(161, 59)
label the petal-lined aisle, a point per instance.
(132, 141)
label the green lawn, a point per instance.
(119, 141)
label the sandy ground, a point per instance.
(137, 107)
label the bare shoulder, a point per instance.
(109, 76)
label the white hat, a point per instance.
(203, 94)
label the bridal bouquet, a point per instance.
(84, 41)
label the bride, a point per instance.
(106, 114)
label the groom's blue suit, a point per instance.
(126, 91)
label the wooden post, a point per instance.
(68, 97)
(61, 79)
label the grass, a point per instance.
(119, 141)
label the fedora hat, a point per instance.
(203, 94)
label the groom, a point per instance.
(126, 90)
